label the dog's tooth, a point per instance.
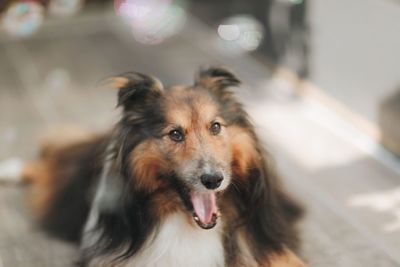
(196, 218)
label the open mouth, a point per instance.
(205, 210)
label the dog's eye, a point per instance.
(176, 135)
(215, 128)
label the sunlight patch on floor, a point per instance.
(387, 201)
(287, 126)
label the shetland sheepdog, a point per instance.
(181, 180)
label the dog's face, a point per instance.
(196, 139)
(196, 142)
(198, 135)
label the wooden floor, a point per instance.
(349, 185)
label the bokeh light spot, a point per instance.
(23, 18)
(152, 21)
(64, 8)
(57, 80)
(296, 2)
(229, 32)
(240, 34)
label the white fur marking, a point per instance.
(177, 243)
(181, 244)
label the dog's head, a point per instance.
(196, 139)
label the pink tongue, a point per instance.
(204, 205)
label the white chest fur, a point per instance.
(180, 244)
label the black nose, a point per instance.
(211, 181)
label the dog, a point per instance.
(180, 180)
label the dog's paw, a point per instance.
(11, 170)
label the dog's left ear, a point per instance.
(216, 79)
(136, 90)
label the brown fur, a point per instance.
(158, 173)
(40, 174)
(165, 202)
(285, 259)
(193, 111)
(63, 168)
(147, 163)
(43, 172)
(243, 150)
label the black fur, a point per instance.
(140, 91)
(71, 203)
(221, 78)
(128, 226)
(264, 211)
(269, 215)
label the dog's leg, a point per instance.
(285, 259)
(37, 174)
(60, 180)
(15, 170)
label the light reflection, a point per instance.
(240, 34)
(152, 21)
(229, 32)
(386, 201)
(23, 18)
(64, 8)
(290, 2)
(296, 2)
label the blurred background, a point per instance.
(321, 81)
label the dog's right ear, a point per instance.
(135, 90)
